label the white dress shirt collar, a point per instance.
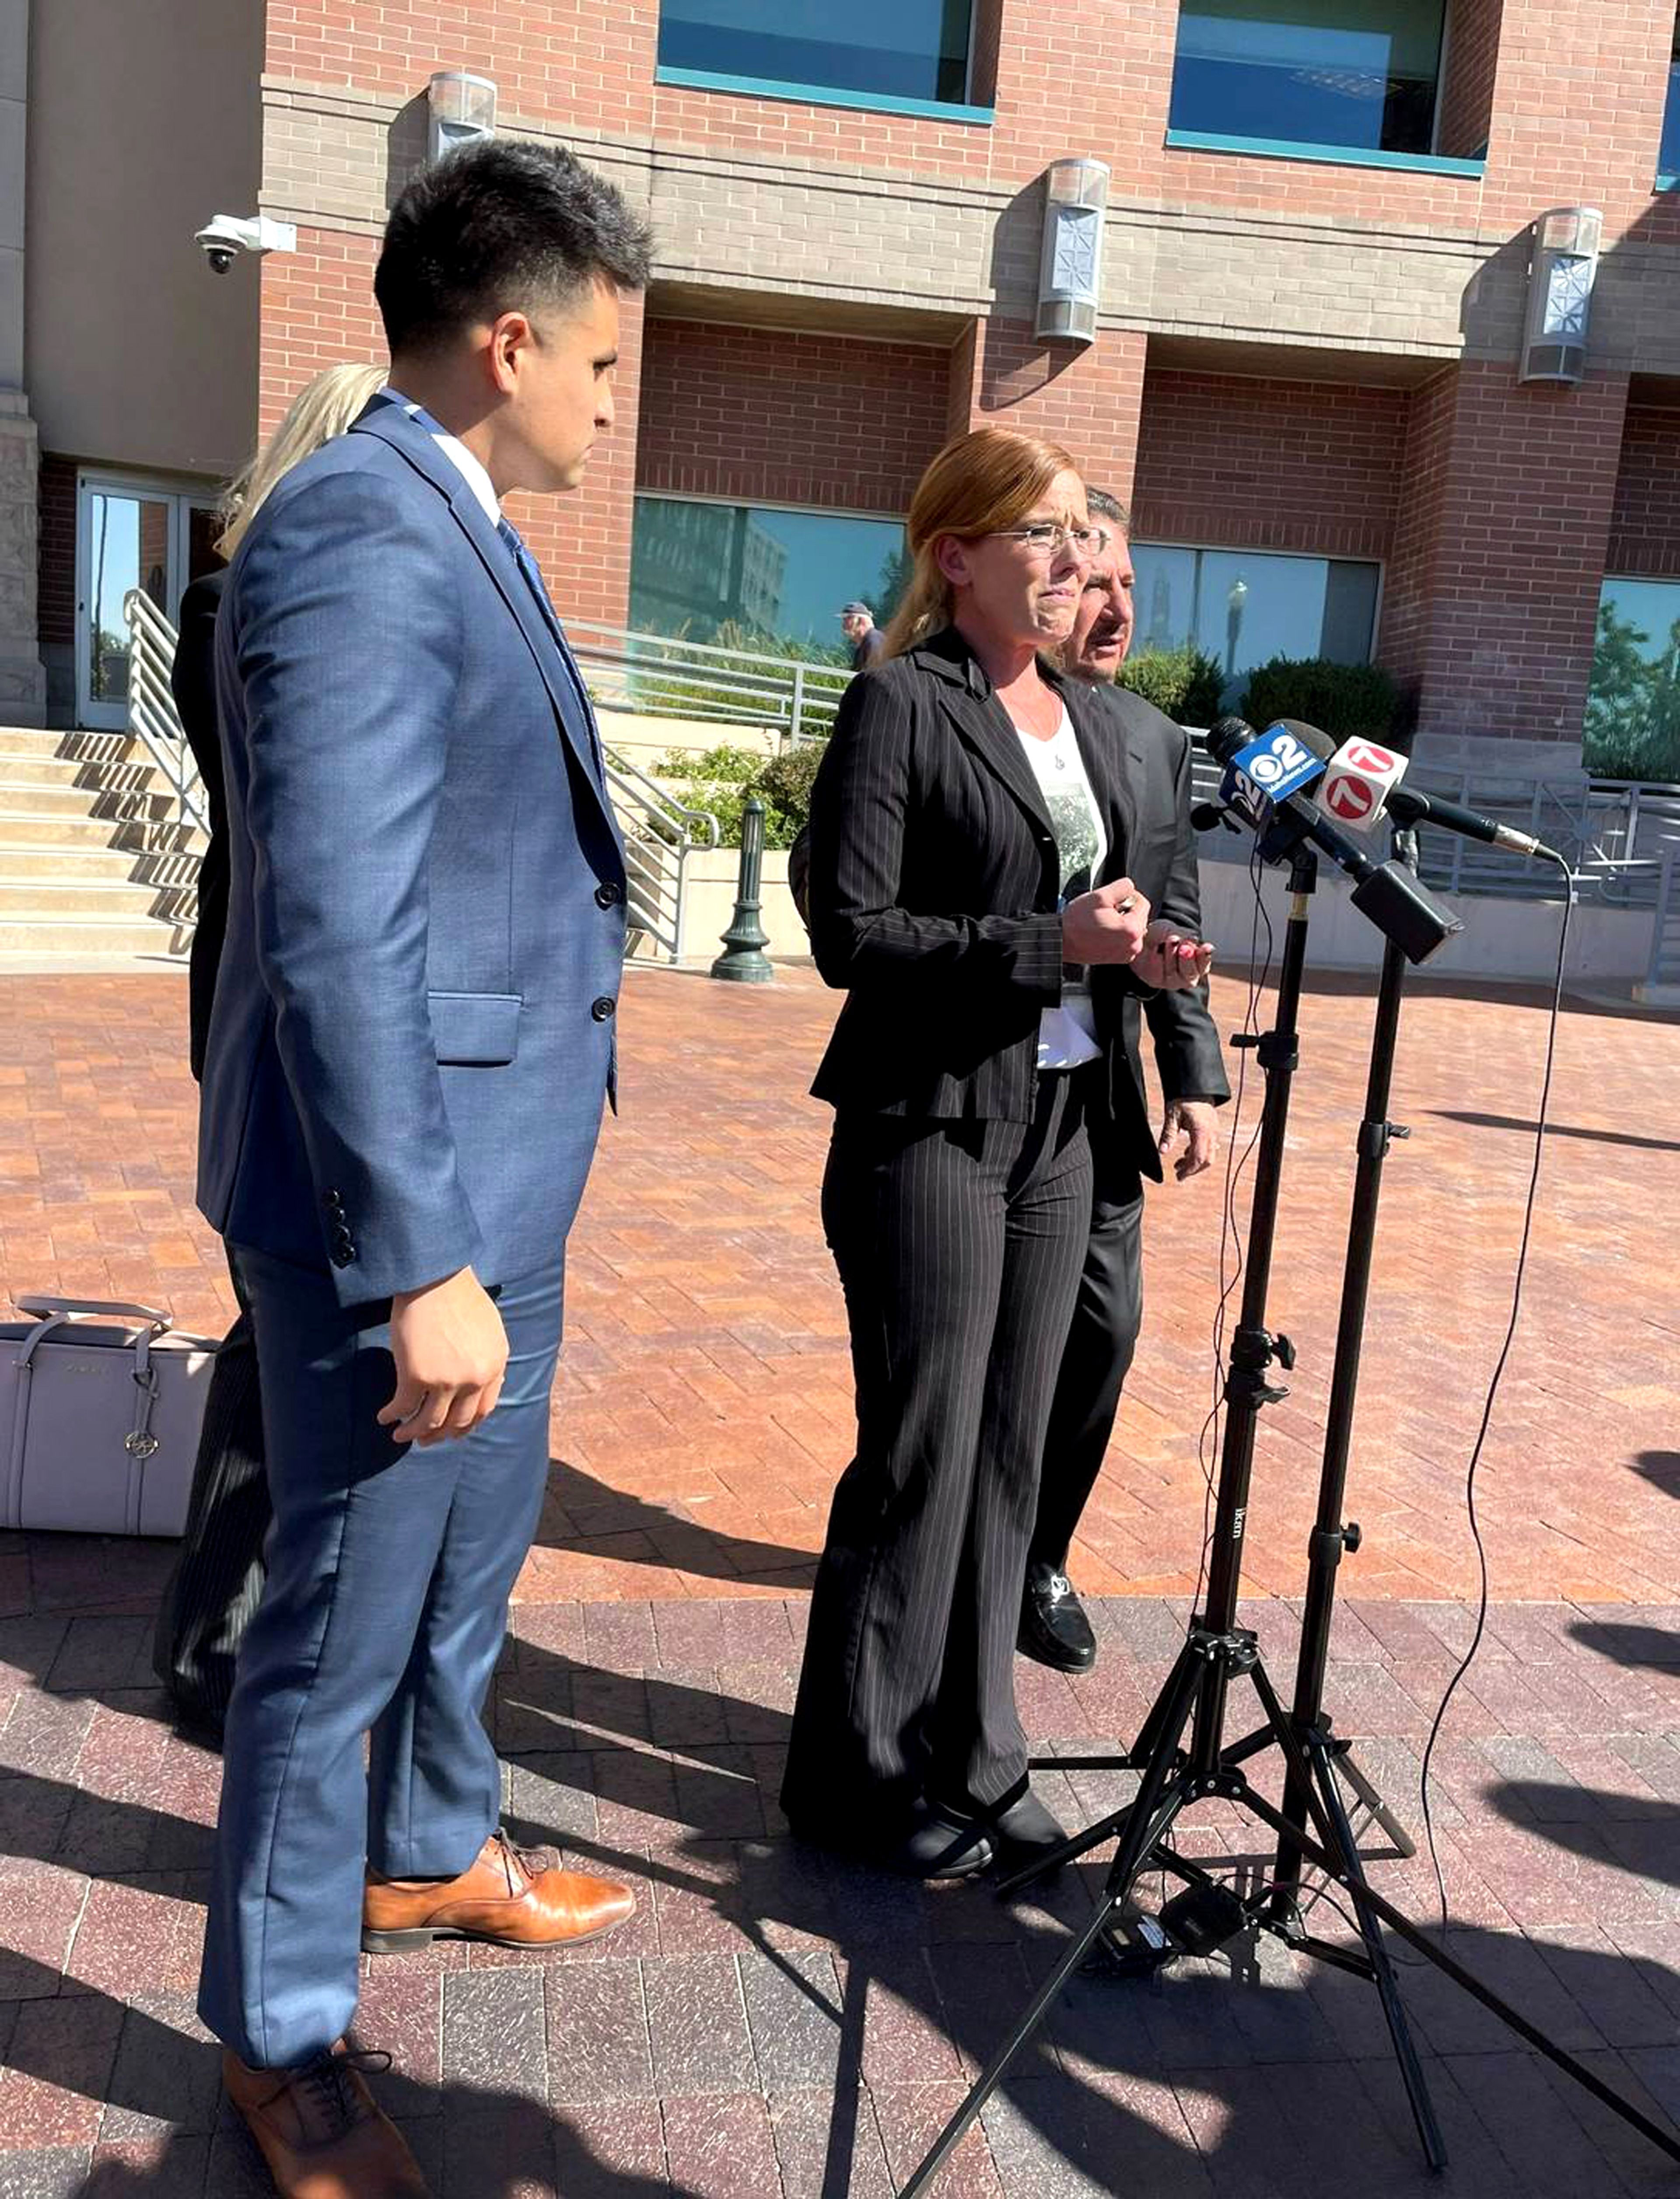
(471, 469)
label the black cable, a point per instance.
(1468, 1658)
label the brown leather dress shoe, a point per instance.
(319, 2131)
(511, 1897)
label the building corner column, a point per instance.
(23, 679)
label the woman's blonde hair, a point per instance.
(979, 482)
(322, 409)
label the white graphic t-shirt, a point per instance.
(1067, 1035)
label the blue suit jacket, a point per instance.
(412, 1034)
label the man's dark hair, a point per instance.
(1101, 505)
(496, 227)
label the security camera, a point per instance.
(223, 240)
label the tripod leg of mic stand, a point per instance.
(1312, 1775)
(1382, 1970)
(1448, 1965)
(1163, 1793)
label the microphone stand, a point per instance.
(1326, 1753)
(1180, 1751)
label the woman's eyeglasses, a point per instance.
(1046, 538)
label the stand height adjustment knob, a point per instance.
(1350, 1536)
(1283, 1351)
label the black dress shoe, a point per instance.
(1024, 1832)
(928, 1843)
(1054, 1629)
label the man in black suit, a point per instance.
(1162, 860)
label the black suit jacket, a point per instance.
(925, 805)
(1187, 1055)
(193, 681)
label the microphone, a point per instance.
(1413, 809)
(1270, 767)
(1361, 784)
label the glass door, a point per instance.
(129, 535)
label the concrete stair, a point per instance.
(95, 863)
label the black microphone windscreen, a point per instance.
(1227, 735)
(1309, 737)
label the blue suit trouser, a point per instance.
(389, 1569)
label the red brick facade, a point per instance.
(729, 412)
(1248, 464)
(1492, 507)
(1504, 557)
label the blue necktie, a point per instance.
(533, 580)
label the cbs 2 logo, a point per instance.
(1277, 764)
(1281, 758)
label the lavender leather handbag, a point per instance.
(100, 1408)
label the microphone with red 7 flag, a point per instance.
(1362, 783)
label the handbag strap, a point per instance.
(43, 1305)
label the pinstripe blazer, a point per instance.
(934, 889)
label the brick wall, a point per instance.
(57, 602)
(1503, 550)
(1466, 114)
(1269, 465)
(778, 417)
(1645, 524)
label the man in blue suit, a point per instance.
(412, 1044)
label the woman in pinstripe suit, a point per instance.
(968, 838)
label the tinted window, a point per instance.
(697, 568)
(909, 49)
(1356, 72)
(1243, 607)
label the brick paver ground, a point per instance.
(773, 2023)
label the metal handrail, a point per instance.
(665, 675)
(661, 836)
(153, 718)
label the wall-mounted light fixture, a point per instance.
(1069, 268)
(459, 108)
(1562, 269)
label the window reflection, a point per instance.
(1632, 726)
(1356, 72)
(699, 569)
(1668, 160)
(1242, 607)
(907, 48)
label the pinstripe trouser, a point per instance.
(959, 1245)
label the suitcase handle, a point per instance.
(65, 1307)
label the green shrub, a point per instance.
(721, 762)
(1342, 700)
(1181, 682)
(721, 779)
(786, 780)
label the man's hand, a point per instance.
(1197, 1122)
(452, 1352)
(1170, 960)
(1106, 924)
